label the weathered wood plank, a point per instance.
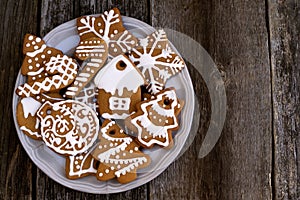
(18, 18)
(234, 33)
(52, 15)
(285, 59)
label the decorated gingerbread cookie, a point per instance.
(37, 53)
(88, 95)
(156, 60)
(93, 47)
(109, 27)
(119, 88)
(27, 118)
(118, 154)
(68, 127)
(80, 165)
(93, 65)
(155, 119)
(62, 71)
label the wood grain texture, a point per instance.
(18, 18)
(47, 188)
(284, 22)
(234, 32)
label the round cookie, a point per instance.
(68, 127)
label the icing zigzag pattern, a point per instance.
(64, 70)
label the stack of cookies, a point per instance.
(103, 106)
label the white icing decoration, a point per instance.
(154, 130)
(33, 133)
(34, 53)
(80, 166)
(30, 106)
(112, 154)
(68, 131)
(125, 41)
(148, 63)
(116, 103)
(67, 70)
(112, 79)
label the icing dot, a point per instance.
(43, 100)
(76, 162)
(121, 131)
(43, 56)
(116, 144)
(115, 49)
(86, 42)
(98, 42)
(100, 147)
(136, 148)
(112, 45)
(91, 42)
(92, 54)
(159, 120)
(80, 84)
(30, 67)
(77, 167)
(111, 144)
(49, 52)
(38, 39)
(38, 97)
(159, 46)
(36, 59)
(36, 47)
(111, 35)
(80, 157)
(105, 146)
(117, 156)
(101, 30)
(92, 71)
(40, 76)
(112, 168)
(168, 60)
(107, 171)
(132, 42)
(131, 151)
(146, 137)
(30, 37)
(100, 174)
(38, 65)
(167, 121)
(119, 166)
(33, 42)
(27, 45)
(124, 154)
(150, 113)
(99, 24)
(88, 69)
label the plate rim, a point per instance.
(106, 190)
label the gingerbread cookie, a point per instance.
(87, 73)
(88, 95)
(50, 96)
(68, 127)
(37, 53)
(80, 165)
(156, 60)
(119, 88)
(109, 27)
(27, 119)
(63, 71)
(91, 48)
(155, 119)
(118, 154)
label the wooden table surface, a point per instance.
(255, 45)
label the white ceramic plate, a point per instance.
(65, 38)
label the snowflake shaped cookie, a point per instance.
(156, 60)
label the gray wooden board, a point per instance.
(255, 45)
